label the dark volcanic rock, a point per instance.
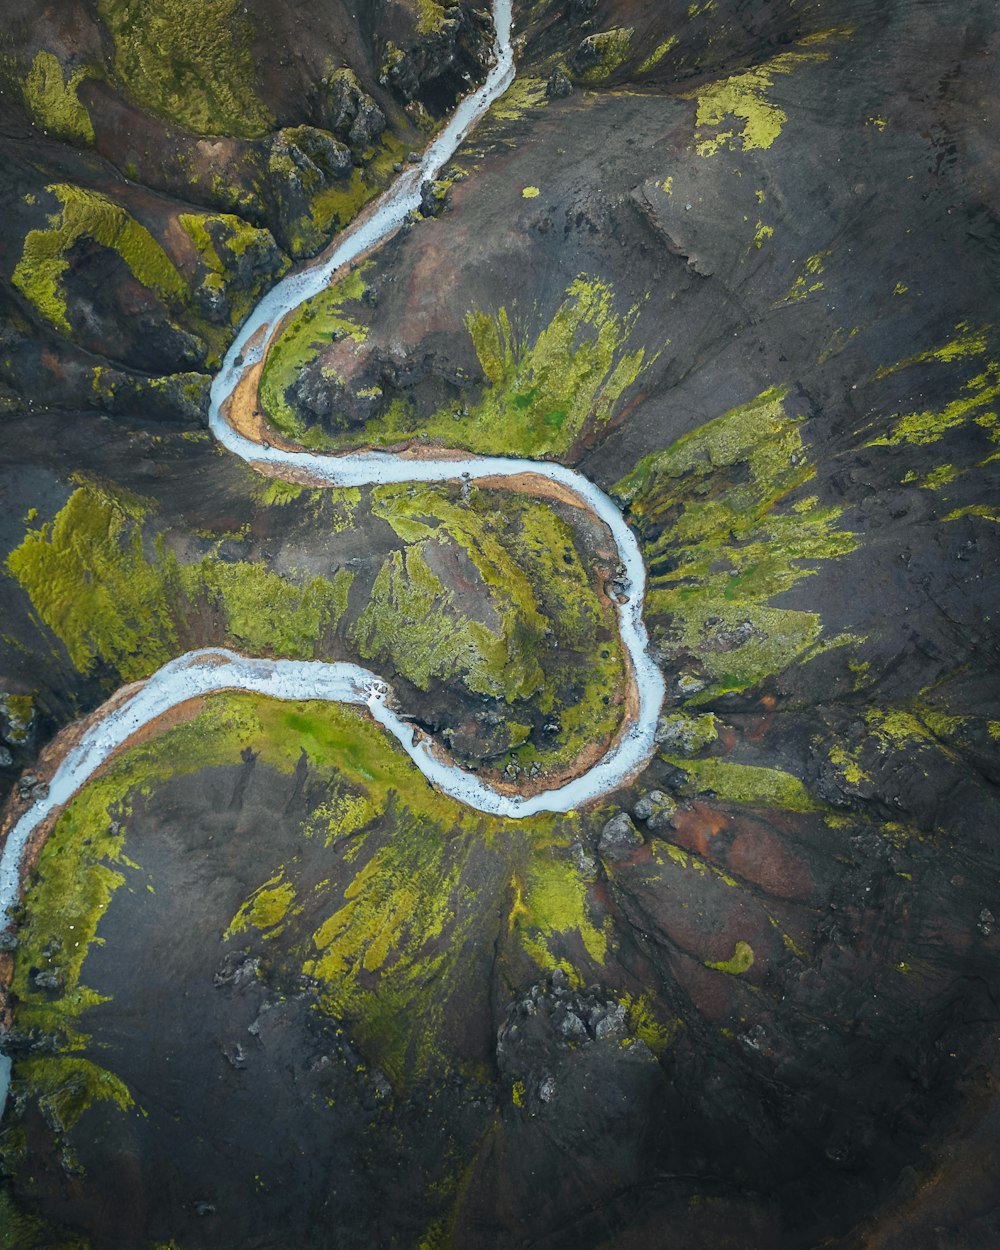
(619, 838)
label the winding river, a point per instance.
(202, 672)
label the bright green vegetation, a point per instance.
(657, 55)
(976, 400)
(808, 282)
(540, 394)
(315, 322)
(223, 240)
(687, 735)
(430, 17)
(539, 632)
(19, 712)
(540, 397)
(967, 343)
(92, 580)
(741, 961)
(263, 612)
(725, 527)
(87, 214)
(408, 877)
(82, 865)
(266, 908)
(755, 121)
(191, 64)
(532, 630)
(551, 901)
(745, 783)
(612, 48)
(53, 99)
(647, 1022)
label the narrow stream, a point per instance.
(201, 672)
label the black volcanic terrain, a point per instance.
(737, 262)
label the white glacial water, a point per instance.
(201, 672)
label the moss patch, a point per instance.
(53, 99)
(87, 214)
(755, 121)
(540, 393)
(189, 63)
(744, 783)
(114, 606)
(725, 527)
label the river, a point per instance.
(201, 672)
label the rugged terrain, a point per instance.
(738, 263)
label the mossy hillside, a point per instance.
(315, 323)
(53, 98)
(88, 214)
(191, 64)
(968, 423)
(238, 258)
(543, 388)
(100, 577)
(603, 53)
(726, 526)
(554, 642)
(417, 873)
(746, 784)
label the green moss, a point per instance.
(647, 1021)
(315, 322)
(335, 206)
(87, 214)
(741, 961)
(66, 1087)
(807, 282)
(545, 634)
(54, 101)
(612, 49)
(413, 621)
(657, 55)
(189, 63)
(756, 121)
(90, 583)
(722, 533)
(920, 429)
(430, 17)
(687, 735)
(550, 907)
(540, 395)
(223, 241)
(744, 783)
(114, 607)
(266, 909)
(264, 613)
(19, 712)
(968, 342)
